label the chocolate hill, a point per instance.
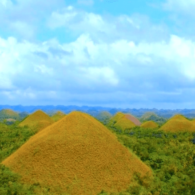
(193, 121)
(149, 125)
(38, 120)
(178, 123)
(78, 155)
(120, 121)
(104, 117)
(57, 116)
(151, 116)
(8, 113)
(133, 119)
(147, 116)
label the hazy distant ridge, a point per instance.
(94, 110)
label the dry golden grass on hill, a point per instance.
(149, 124)
(38, 120)
(178, 123)
(193, 121)
(178, 117)
(121, 121)
(57, 116)
(78, 155)
(133, 119)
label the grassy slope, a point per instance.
(171, 156)
(79, 151)
(149, 124)
(38, 120)
(119, 121)
(178, 123)
(8, 113)
(57, 116)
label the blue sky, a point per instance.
(128, 54)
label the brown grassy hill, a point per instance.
(178, 123)
(149, 125)
(57, 116)
(120, 121)
(78, 155)
(133, 119)
(38, 120)
(178, 117)
(193, 121)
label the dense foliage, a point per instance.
(11, 138)
(151, 116)
(170, 155)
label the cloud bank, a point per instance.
(122, 61)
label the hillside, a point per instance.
(121, 122)
(178, 123)
(38, 120)
(57, 116)
(149, 125)
(78, 155)
(151, 116)
(104, 117)
(133, 119)
(8, 114)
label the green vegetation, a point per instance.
(104, 117)
(11, 138)
(170, 155)
(57, 116)
(77, 144)
(8, 113)
(151, 116)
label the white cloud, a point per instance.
(105, 66)
(181, 6)
(107, 28)
(100, 75)
(124, 56)
(22, 18)
(43, 69)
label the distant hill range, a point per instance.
(95, 111)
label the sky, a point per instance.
(124, 54)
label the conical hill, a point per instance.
(8, 113)
(104, 117)
(178, 123)
(121, 122)
(133, 119)
(37, 120)
(149, 125)
(193, 121)
(78, 155)
(147, 116)
(151, 116)
(57, 116)
(178, 117)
